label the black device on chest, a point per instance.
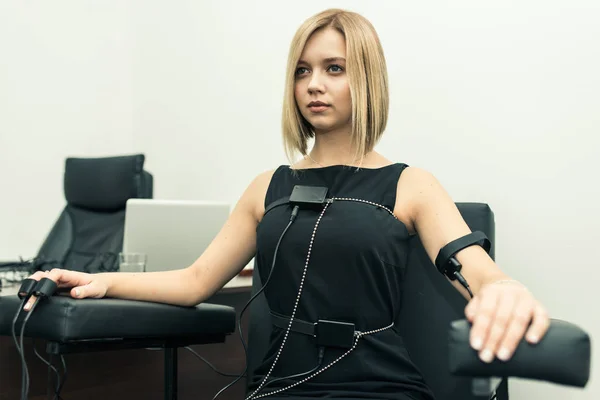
(308, 196)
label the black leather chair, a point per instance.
(430, 304)
(88, 236)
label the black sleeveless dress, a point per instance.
(354, 274)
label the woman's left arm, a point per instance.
(502, 310)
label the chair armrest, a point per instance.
(64, 319)
(562, 356)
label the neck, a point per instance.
(333, 148)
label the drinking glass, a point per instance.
(132, 262)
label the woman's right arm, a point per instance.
(229, 252)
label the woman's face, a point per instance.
(321, 88)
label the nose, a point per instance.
(316, 83)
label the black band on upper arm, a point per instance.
(443, 260)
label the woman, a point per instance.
(343, 261)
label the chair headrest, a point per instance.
(103, 184)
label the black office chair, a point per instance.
(88, 234)
(430, 304)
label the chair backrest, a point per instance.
(88, 234)
(429, 304)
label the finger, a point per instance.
(29, 303)
(63, 278)
(67, 278)
(59, 276)
(498, 326)
(91, 290)
(36, 276)
(539, 326)
(471, 308)
(516, 329)
(483, 318)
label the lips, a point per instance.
(317, 106)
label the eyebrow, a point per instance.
(326, 60)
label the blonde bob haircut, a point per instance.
(367, 78)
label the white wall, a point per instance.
(499, 99)
(207, 89)
(65, 90)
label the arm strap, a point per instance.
(444, 258)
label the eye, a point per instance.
(301, 71)
(335, 68)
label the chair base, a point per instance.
(169, 346)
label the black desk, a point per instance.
(131, 374)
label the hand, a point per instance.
(82, 284)
(501, 314)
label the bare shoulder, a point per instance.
(254, 196)
(414, 185)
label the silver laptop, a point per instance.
(172, 233)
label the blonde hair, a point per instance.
(367, 78)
